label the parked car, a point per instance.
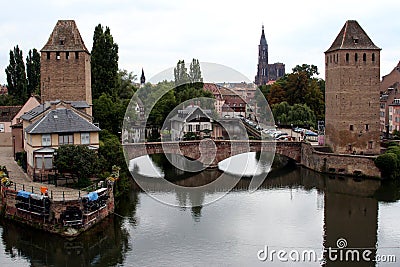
(274, 134)
(298, 129)
(284, 137)
(281, 134)
(310, 133)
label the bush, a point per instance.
(20, 157)
(388, 164)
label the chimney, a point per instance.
(53, 105)
(67, 105)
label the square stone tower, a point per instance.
(352, 76)
(65, 72)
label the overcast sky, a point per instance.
(156, 34)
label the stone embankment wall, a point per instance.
(341, 164)
(54, 222)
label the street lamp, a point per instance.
(13, 140)
(291, 132)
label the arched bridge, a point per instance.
(211, 152)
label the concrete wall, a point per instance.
(343, 164)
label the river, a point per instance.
(295, 211)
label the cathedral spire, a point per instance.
(263, 41)
(142, 78)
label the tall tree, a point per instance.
(104, 63)
(33, 72)
(16, 76)
(180, 74)
(195, 72)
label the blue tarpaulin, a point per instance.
(92, 196)
(22, 193)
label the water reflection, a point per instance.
(247, 164)
(293, 208)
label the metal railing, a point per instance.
(55, 194)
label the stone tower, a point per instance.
(352, 76)
(262, 66)
(65, 72)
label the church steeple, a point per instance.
(262, 67)
(263, 41)
(142, 78)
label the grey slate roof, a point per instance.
(80, 104)
(65, 37)
(352, 36)
(61, 121)
(43, 107)
(34, 112)
(184, 114)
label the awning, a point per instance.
(24, 194)
(92, 196)
(45, 150)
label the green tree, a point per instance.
(298, 114)
(180, 74)
(195, 72)
(16, 76)
(125, 86)
(104, 62)
(310, 70)
(77, 160)
(33, 72)
(388, 164)
(111, 153)
(7, 100)
(109, 112)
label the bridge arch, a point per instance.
(224, 149)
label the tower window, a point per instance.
(370, 144)
(48, 55)
(366, 127)
(373, 57)
(364, 57)
(347, 57)
(58, 55)
(351, 127)
(61, 42)
(66, 55)
(356, 57)
(76, 55)
(349, 147)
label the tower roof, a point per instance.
(352, 36)
(65, 37)
(263, 41)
